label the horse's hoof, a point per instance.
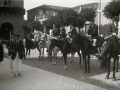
(114, 79)
(84, 71)
(65, 68)
(107, 77)
(88, 72)
(105, 69)
(101, 68)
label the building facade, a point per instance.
(42, 13)
(11, 18)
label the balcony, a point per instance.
(12, 10)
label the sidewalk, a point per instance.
(38, 79)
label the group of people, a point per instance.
(16, 53)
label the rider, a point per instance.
(62, 32)
(32, 35)
(93, 33)
(113, 29)
(56, 31)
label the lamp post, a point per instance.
(99, 16)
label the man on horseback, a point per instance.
(93, 33)
(113, 29)
(62, 32)
(55, 31)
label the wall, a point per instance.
(15, 21)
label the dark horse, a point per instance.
(109, 50)
(65, 48)
(82, 43)
(29, 44)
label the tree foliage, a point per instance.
(88, 13)
(35, 25)
(25, 27)
(80, 21)
(112, 9)
(67, 16)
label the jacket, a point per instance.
(17, 46)
(93, 31)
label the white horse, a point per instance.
(40, 39)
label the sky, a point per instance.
(29, 4)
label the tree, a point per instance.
(112, 9)
(80, 21)
(88, 13)
(67, 16)
(35, 25)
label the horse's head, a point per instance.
(39, 36)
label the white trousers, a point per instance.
(17, 64)
(94, 42)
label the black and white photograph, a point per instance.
(59, 44)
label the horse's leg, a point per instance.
(84, 58)
(72, 57)
(88, 58)
(114, 62)
(29, 55)
(79, 57)
(43, 53)
(65, 60)
(26, 52)
(38, 48)
(108, 67)
(117, 64)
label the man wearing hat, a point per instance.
(93, 33)
(8, 45)
(114, 26)
(72, 28)
(62, 32)
(17, 55)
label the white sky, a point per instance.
(28, 4)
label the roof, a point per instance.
(91, 5)
(57, 8)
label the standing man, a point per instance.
(8, 45)
(17, 55)
(93, 33)
(1, 52)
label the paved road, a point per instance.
(38, 79)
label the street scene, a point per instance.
(59, 45)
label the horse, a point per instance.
(56, 49)
(42, 44)
(29, 44)
(64, 46)
(48, 40)
(82, 43)
(110, 49)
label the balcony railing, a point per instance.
(12, 10)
